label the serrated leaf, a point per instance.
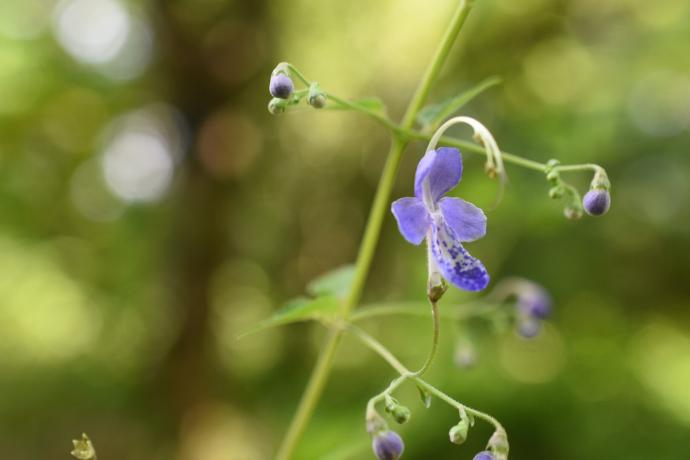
(431, 116)
(299, 309)
(336, 282)
(425, 397)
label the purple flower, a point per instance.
(533, 300)
(280, 86)
(388, 445)
(485, 455)
(445, 222)
(597, 201)
(533, 305)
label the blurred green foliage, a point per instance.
(152, 210)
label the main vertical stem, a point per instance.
(320, 373)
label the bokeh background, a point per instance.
(152, 209)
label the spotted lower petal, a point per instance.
(455, 263)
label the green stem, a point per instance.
(382, 351)
(434, 342)
(373, 229)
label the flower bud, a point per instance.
(318, 101)
(572, 213)
(484, 455)
(556, 192)
(528, 326)
(465, 355)
(375, 423)
(533, 300)
(280, 86)
(498, 444)
(276, 106)
(316, 98)
(401, 414)
(388, 445)
(597, 201)
(458, 433)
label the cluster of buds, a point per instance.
(497, 448)
(282, 88)
(596, 201)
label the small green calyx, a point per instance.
(600, 180)
(436, 290)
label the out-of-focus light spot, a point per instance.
(659, 104)
(228, 144)
(236, 309)
(44, 315)
(90, 195)
(138, 167)
(536, 360)
(134, 56)
(655, 190)
(559, 70)
(140, 154)
(104, 34)
(93, 31)
(24, 19)
(21, 78)
(659, 14)
(661, 358)
(214, 432)
(73, 118)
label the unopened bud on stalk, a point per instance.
(458, 433)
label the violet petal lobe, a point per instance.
(413, 219)
(441, 169)
(467, 220)
(454, 262)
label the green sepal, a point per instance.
(424, 396)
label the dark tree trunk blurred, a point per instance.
(197, 245)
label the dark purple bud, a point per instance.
(597, 201)
(485, 455)
(280, 86)
(388, 445)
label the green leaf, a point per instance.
(431, 116)
(336, 282)
(299, 309)
(425, 396)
